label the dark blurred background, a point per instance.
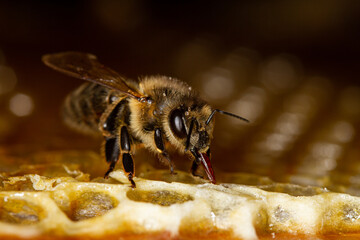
(248, 57)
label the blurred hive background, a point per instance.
(290, 66)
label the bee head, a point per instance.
(191, 130)
(192, 127)
(189, 127)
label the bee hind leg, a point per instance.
(116, 146)
(158, 138)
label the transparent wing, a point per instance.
(86, 66)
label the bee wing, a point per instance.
(86, 66)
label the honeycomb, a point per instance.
(34, 206)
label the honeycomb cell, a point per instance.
(19, 211)
(19, 184)
(343, 215)
(88, 205)
(162, 198)
(351, 213)
(293, 190)
(281, 214)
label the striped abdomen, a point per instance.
(83, 107)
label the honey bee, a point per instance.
(157, 112)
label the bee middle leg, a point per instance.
(127, 161)
(161, 148)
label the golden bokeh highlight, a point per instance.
(21, 105)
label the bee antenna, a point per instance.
(189, 134)
(226, 113)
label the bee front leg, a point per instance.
(196, 163)
(161, 148)
(127, 161)
(194, 168)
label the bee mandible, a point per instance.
(157, 111)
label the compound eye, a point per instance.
(177, 124)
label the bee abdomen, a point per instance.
(84, 106)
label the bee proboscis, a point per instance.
(156, 111)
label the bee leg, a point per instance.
(196, 163)
(194, 168)
(127, 161)
(171, 164)
(160, 147)
(128, 164)
(112, 152)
